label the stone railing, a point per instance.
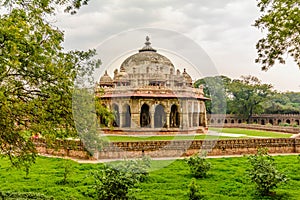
(181, 148)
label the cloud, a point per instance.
(222, 27)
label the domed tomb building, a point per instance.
(148, 95)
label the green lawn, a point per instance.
(162, 137)
(252, 133)
(168, 180)
(247, 132)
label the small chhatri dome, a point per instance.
(122, 76)
(147, 46)
(106, 79)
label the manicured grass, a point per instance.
(247, 132)
(112, 138)
(168, 180)
(252, 133)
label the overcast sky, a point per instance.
(222, 28)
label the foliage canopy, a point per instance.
(281, 20)
(36, 77)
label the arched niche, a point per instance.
(116, 112)
(174, 117)
(127, 116)
(145, 118)
(159, 117)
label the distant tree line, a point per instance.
(247, 96)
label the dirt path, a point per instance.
(162, 158)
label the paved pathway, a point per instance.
(163, 158)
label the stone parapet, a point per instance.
(175, 148)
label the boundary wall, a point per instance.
(182, 148)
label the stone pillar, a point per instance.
(152, 109)
(184, 115)
(121, 116)
(197, 114)
(168, 119)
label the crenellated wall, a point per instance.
(180, 148)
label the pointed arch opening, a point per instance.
(145, 119)
(159, 117)
(174, 117)
(115, 109)
(127, 116)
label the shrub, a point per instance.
(194, 193)
(68, 170)
(114, 181)
(198, 166)
(263, 172)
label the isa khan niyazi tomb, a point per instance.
(148, 95)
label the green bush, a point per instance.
(67, 166)
(263, 172)
(194, 193)
(114, 181)
(198, 166)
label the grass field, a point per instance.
(226, 180)
(252, 133)
(244, 133)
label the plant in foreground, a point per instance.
(194, 193)
(115, 181)
(198, 166)
(263, 172)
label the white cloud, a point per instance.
(222, 27)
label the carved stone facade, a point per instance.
(148, 94)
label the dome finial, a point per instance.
(147, 43)
(147, 46)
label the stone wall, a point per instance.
(263, 119)
(181, 148)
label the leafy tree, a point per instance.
(247, 95)
(281, 20)
(263, 172)
(215, 88)
(36, 77)
(199, 166)
(283, 103)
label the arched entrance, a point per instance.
(116, 122)
(145, 119)
(279, 122)
(174, 117)
(127, 116)
(159, 117)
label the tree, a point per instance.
(215, 88)
(263, 172)
(247, 95)
(283, 103)
(36, 77)
(281, 19)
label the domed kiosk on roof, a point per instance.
(148, 95)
